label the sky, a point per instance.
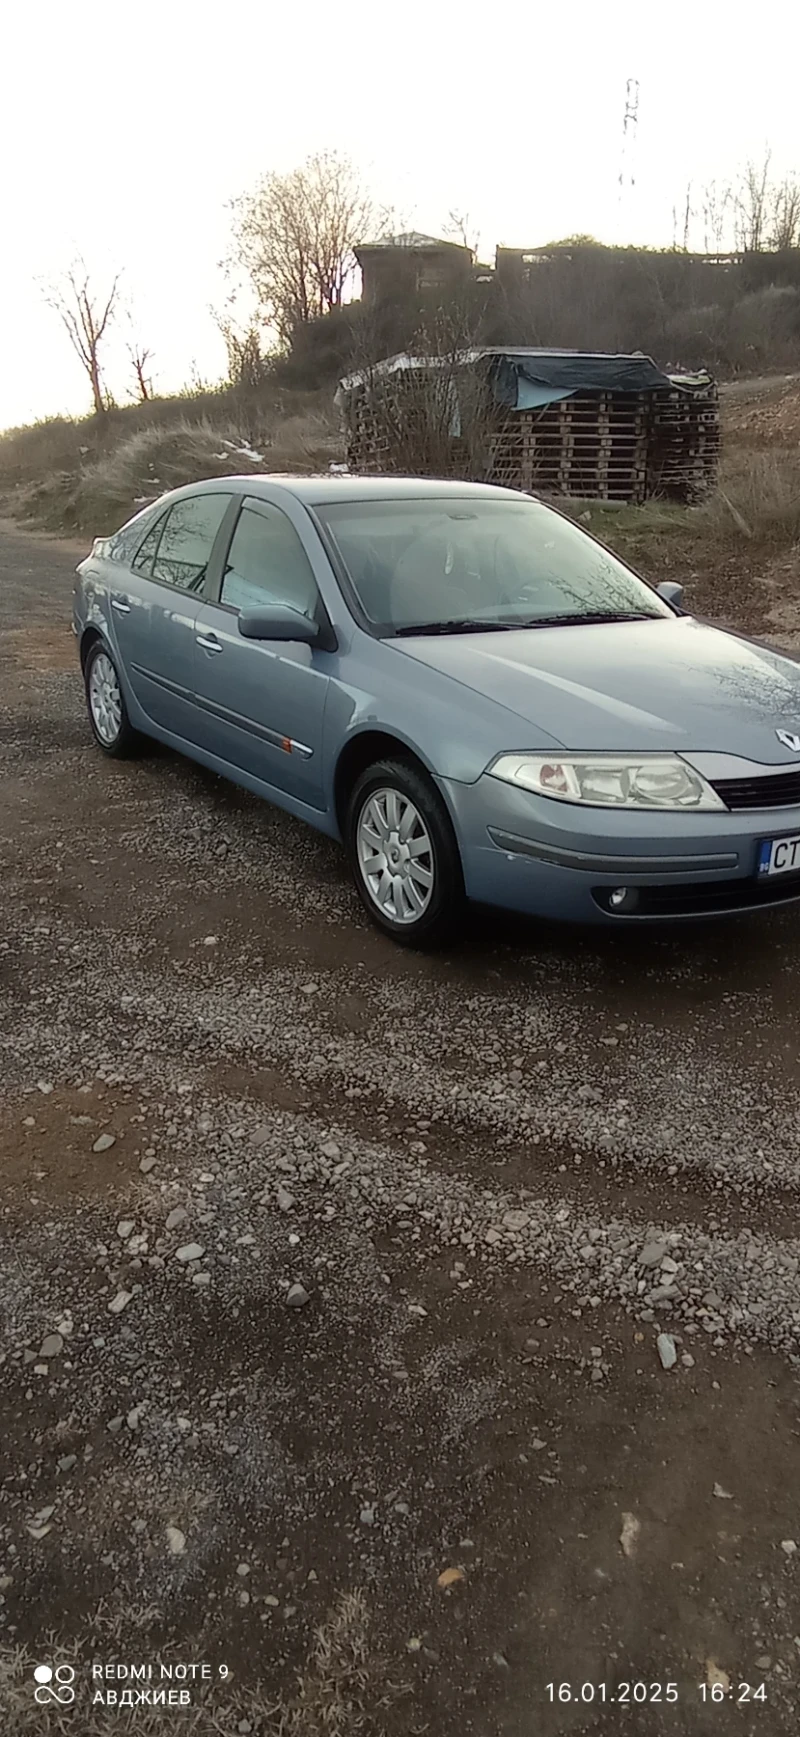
(126, 129)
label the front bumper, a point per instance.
(560, 860)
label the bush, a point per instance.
(764, 329)
(696, 337)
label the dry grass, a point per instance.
(754, 510)
(343, 1691)
(87, 475)
(634, 532)
(64, 443)
(305, 441)
(107, 489)
(758, 499)
(152, 461)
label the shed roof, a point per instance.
(411, 238)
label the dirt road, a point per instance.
(496, 1178)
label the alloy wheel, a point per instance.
(105, 699)
(395, 856)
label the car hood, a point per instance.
(667, 683)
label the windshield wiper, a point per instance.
(468, 625)
(596, 617)
(574, 619)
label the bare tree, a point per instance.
(687, 217)
(461, 228)
(716, 214)
(785, 214)
(247, 364)
(764, 214)
(752, 206)
(434, 417)
(139, 358)
(85, 315)
(294, 238)
(684, 222)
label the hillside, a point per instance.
(90, 474)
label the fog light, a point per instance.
(617, 901)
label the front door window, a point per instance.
(267, 563)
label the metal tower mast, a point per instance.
(627, 168)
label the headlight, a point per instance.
(610, 780)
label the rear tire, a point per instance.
(404, 855)
(108, 713)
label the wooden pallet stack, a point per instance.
(386, 429)
(368, 442)
(591, 445)
(402, 425)
(684, 441)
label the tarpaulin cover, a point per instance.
(402, 364)
(533, 397)
(527, 379)
(561, 372)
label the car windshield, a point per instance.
(459, 565)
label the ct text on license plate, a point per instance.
(778, 856)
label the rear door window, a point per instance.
(187, 540)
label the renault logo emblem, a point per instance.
(788, 740)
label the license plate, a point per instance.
(779, 856)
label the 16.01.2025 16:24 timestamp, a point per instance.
(630, 1693)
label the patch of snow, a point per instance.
(243, 451)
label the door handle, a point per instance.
(122, 608)
(210, 643)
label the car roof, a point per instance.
(320, 491)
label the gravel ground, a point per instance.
(399, 1336)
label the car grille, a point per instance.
(780, 790)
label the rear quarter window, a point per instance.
(145, 555)
(123, 545)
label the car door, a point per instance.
(260, 702)
(154, 603)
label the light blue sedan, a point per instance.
(472, 693)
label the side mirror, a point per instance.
(670, 592)
(278, 621)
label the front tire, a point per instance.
(108, 713)
(403, 854)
